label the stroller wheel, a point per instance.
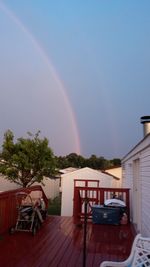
(11, 230)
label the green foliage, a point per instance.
(54, 206)
(116, 162)
(94, 162)
(27, 160)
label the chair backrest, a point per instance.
(141, 251)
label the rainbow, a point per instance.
(52, 71)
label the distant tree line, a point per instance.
(94, 162)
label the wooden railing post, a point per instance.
(76, 206)
(128, 204)
(85, 231)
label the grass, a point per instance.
(54, 206)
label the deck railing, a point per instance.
(96, 196)
(8, 206)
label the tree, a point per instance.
(71, 160)
(116, 162)
(75, 160)
(94, 162)
(26, 161)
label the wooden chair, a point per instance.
(139, 257)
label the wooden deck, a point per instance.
(60, 243)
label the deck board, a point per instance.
(60, 243)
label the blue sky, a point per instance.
(100, 51)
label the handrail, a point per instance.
(8, 210)
(96, 196)
(86, 182)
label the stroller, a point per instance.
(31, 214)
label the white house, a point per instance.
(50, 186)
(67, 185)
(117, 172)
(6, 185)
(136, 175)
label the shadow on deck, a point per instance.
(60, 243)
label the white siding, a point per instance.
(145, 191)
(6, 185)
(50, 187)
(127, 182)
(141, 152)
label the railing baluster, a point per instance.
(98, 196)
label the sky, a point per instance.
(78, 71)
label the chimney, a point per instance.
(145, 120)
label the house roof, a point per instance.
(76, 171)
(67, 170)
(132, 150)
(112, 168)
(82, 170)
(53, 177)
(115, 177)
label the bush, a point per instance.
(54, 206)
